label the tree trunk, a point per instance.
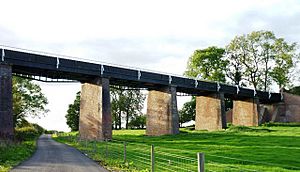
(120, 119)
(127, 119)
(116, 123)
(266, 75)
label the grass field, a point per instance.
(11, 154)
(266, 148)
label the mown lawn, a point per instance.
(266, 148)
(11, 154)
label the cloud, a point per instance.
(157, 35)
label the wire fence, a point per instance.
(143, 157)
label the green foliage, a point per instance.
(260, 58)
(246, 129)
(73, 112)
(126, 102)
(51, 131)
(137, 122)
(12, 153)
(208, 63)
(188, 111)
(281, 124)
(294, 90)
(26, 133)
(28, 100)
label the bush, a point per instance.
(27, 133)
(247, 129)
(281, 124)
(50, 131)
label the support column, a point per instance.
(95, 121)
(210, 112)
(162, 114)
(245, 112)
(6, 103)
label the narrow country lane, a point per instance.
(57, 157)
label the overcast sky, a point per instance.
(156, 34)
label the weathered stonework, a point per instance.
(288, 110)
(245, 112)
(210, 112)
(162, 114)
(95, 114)
(6, 104)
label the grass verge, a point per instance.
(266, 148)
(11, 154)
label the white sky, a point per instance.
(154, 34)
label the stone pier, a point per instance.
(162, 114)
(210, 112)
(245, 112)
(95, 121)
(6, 104)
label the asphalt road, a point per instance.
(52, 156)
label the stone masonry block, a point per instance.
(95, 115)
(6, 103)
(162, 114)
(209, 112)
(245, 112)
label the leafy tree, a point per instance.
(188, 111)
(208, 63)
(234, 69)
(294, 90)
(262, 58)
(138, 122)
(117, 105)
(73, 113)
(134, 103)
(127, 102)
(28, 100)
(124, 102)
(284, 55)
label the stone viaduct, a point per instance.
(162, 115)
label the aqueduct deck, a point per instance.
(96, 78)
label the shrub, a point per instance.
(247, 129)
(26, 133)
(281, 124)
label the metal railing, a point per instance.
(2, 47)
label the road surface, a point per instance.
(52, 156)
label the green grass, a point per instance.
(11, 154)
(266, 148)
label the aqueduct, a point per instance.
(95, 113)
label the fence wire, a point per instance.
(137, 157)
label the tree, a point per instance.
(294, 90)
(127, 102)
(234, 69)
(208, 63)
(284, 55)
(117, 105)
(73, 113)
(138, 122)
(134, 103)
(124, 102)
(28, 100)
(262, 57)
(188, 111)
